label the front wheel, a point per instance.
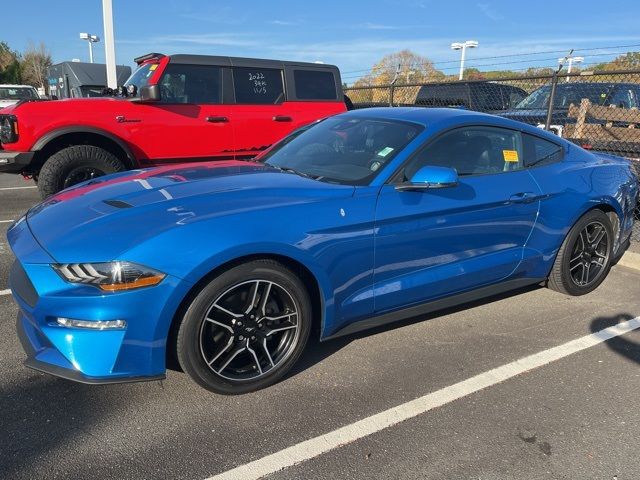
(73, 165)
(585, 257)
(245, 329)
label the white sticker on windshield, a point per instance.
(385, 151)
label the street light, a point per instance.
(463, 47)
(570, 60)
(91, 39)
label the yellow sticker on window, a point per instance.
(153, 67)
(510, 155)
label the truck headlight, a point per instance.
(110, 276)
(8, 129)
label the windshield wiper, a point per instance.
(293, 170)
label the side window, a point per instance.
(515, 97)
(258, 86)
(622, 97)
(190, 84)
(315, 85)
(538, 151)
(471, 151)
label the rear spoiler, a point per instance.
(147, 57)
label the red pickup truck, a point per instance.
(173, 109)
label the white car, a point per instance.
(11, 94)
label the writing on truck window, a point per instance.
(259, 83)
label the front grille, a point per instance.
(21, 285)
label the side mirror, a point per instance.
(430, 177)
(150, 93)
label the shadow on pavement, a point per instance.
(620, 345)
(40, 414)
(317, 351)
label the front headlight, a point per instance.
(111, 276)
(8, 129)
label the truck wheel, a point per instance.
(73, 165)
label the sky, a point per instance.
(350, 34)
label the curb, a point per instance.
(630, 260)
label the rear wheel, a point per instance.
(245, 329)
(73, 165)
(585, 257)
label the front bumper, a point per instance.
(134, 353)
(14, 162)
(32, 344)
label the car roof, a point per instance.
(243, 62)
(446, 117)
(594, 84)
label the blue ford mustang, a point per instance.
(363, 219)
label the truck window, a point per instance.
(18, 93)
(191, 84)
(258, 85)
(315, 85)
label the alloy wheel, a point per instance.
(590, 255)
(81, 174)
(249, 330)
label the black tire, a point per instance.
(73, 165)
(194, 331)
(348, 103)
(571, 263)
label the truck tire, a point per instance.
(73, 165)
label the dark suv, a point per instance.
(481, 96)
(172, 109)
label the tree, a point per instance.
(409, 67)
(628, 61)
(35, 62)
(9, 65)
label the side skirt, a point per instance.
(435, 305)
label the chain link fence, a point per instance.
(597, 110)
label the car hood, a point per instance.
(101, 219)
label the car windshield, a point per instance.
(140, 78)
(344, 150)
(262, 157)
(18, 93)
(566, 94)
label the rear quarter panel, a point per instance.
(572, 187)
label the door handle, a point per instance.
(217, 119)
(523, 197)
(282, 118)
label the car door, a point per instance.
(437, 242)
(261, 116)
(189, 122)
(313, 93)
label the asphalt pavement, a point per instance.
(573, 418)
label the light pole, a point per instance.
(109, 44)
(463, 46)
(91, 39)
(570, 61)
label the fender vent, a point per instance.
(118, 203)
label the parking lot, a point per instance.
(570, 416)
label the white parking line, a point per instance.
(17, 188)
(5, 292)
(317, 446)
(6, 221)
